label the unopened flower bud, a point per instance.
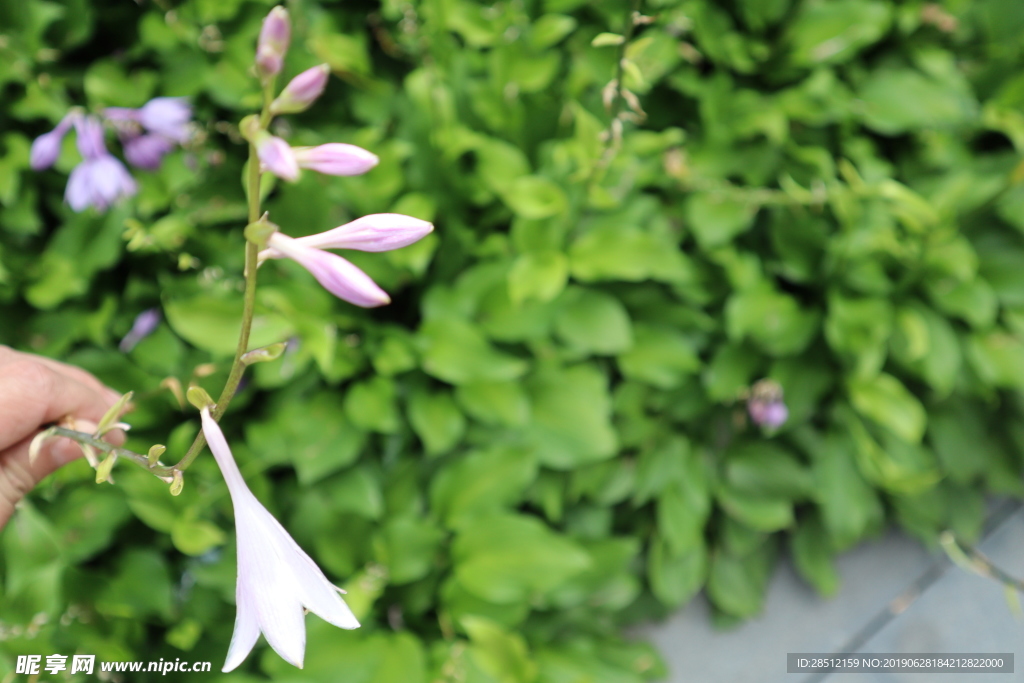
(109, 419)
(335, 158)
(302, 91)
(275, 35)
(198, 397)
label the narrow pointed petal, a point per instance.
(336, 158)
(277, 157)
(222, 454)
(246, 633)
(338, 276)
(376, 232)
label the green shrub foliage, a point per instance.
(543, 438)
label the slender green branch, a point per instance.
(101, 445)
(251, 254)
(968, 557)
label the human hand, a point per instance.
(35, 391)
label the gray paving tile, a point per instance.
(955, 612)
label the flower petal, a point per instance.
(276, 155)
(376, 232)
(336, 158)
(338, 276)
(245, 635)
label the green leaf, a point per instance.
(372, 405)
(660, 356)
(832, 32)
(571, 424)
(408, 548)
(715, 220)
(885, 400)
(761, 513)
(482, 482)
(771, 319)
(540, 276)
(676, 577)
(682, 511)
(213, 324)
(736, 585)
(501, 403)
(593, 322)
(456, 352)
(998, 358)
(196, 536)
(504, 656)
(535, 197)
(436, 420)
(508, 558)
(814, 558)
(766, 468)
(615, 252)
(897, 100)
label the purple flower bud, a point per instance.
(98, 182)
(146, 151)
(336, 158)
(768, 414)
(275, 35)
(301, 91)
(338, 276)
(46, 147)
(277, 157)
(376, 232)
(145, 324)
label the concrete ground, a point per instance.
(896, 597)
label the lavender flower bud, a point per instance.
(46, 147)
(302, 91)
(167, 116)
(765, 405)
(275, 35)
(144, 325)
(336, 158)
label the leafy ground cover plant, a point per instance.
(559, 425)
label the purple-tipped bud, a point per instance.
(376, 232)
(338, 276)
(768, 414)
(302, 91)
(276, 156)
(275, 35)
(146, 151)
(765, 404)
(46, 147)
(336, 158)
(145, 324)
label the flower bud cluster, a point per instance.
(379, 232)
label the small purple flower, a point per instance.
(277, 157)
(338, 276)
(100, 179)
(275, 34)
(301, 91)
(146, 151)
(765, 405)
(145, 324)
(46, 147)
(335, 158)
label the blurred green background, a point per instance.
(540, 441)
